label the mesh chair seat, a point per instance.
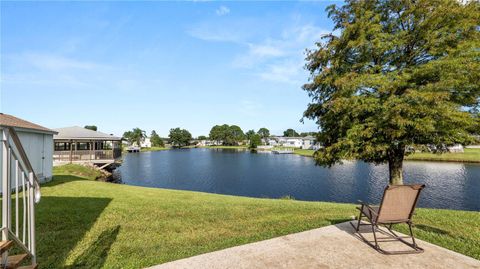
(397, 206)
(366, 211)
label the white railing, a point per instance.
(20, 193)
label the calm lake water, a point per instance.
(449, 185)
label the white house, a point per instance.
(37, 142)
(146, 143)
(308, 142)
(455, 148)
(205, 143)
(293, 142)
(272, 142)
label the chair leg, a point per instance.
(411, 234)
(359, 221)
(374, 235)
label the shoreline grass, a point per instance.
(84, 223)
(470, 155)
(153, 149)
(305, 152)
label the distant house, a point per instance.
(203, 143)
(455, 148)
(272, 141)
(294, 142)
(308, 142)
(146, 143)
(79, 145)
(37, 142)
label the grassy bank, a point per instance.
(305, 152)
(470, 155)
(83, 223)
(153, 149)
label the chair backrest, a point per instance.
(398, 203)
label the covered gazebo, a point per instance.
(79, 145)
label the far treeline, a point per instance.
(227, 135)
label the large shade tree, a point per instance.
(156, 140)
(264, 134)
(397, 74)
(255, 141)
(290, 133)
(249, 134)
(227, 134)
(179, 137)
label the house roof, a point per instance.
(12, 121)
(77, 132)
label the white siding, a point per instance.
(39, 150)
(48, 155)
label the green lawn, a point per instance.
(84, 223)
(305, 152)
(470, 155)
(154, 149)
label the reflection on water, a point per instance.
(449, 185)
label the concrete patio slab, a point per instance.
(335, 246)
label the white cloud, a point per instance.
(281, 59)
(56, 71)
(54, 62)
(275, 57)
(216, 33)
(222, 10)
(283, 72)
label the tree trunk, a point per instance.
(395, 164)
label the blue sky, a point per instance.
(159, 65)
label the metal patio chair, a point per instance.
(397, 206)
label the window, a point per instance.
(62, 146)
(83, 146)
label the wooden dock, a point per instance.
(133, 149)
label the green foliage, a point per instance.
(202, 137)
(255, 141)
(400, 73)
(229, 135)
(308, 134)
(264, 133)
(91, 127)
(136, 136)
(156, 140)
(249, 134)
(290, 133)
(179, 137)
